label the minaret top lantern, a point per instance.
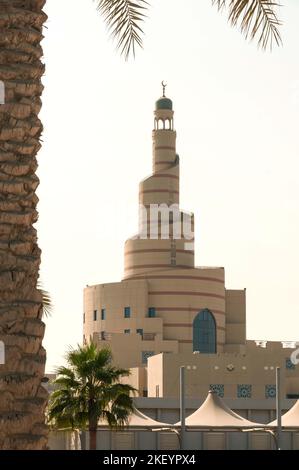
(164, 102)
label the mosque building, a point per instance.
(167, 312)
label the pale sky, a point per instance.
(236, 117)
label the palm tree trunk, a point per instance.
(92, 439)
(22, 398)
(93, 424)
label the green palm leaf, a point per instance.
(46, 300)
(123, 18)
(256, 18)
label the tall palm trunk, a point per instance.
(92, 438)
(22, 398)
(92, 424)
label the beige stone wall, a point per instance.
(128, 349)
(113, 298)
(177, 295)
(235, 318)
(137, 379)
(256, 368)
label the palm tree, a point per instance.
(22, 398)
(89, 390)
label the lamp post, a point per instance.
(278, 408)
(182, 406)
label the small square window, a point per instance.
(95, 315)
(127, 331)
(127, 312)
(151, 312)
(103, 314)
(139, 331)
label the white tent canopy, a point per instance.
(214, 413)
(290, 419)
(138, 420)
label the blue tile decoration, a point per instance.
(244, 391)
(270, 391)
(218, 388)
(289, 364)
(146, 355)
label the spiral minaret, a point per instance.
(162, 300)
(152, 249)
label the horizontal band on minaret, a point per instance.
(196, 278)
(146, 191)
(186, 309)
(142, 266)
(164, 147)
(200, 294)
(164, 175)
(158, 250)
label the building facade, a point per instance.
(167, 312)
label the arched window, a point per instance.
(204, 332)
(161, 124)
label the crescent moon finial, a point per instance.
(164, 85)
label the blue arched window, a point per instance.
(204, 332)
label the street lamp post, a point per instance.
(278, 408)
(182, 406)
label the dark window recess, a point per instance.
(95, 315)
(127, 312)
(151, 312)
(204, 332)
(103, 314)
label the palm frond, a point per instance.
(257, 18)
(46, 300)
(123, 18)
